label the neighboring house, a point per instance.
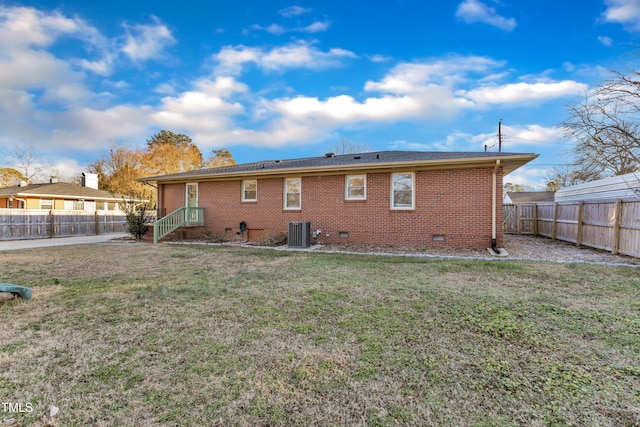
(60, 196)
(513, 197)
(625, 186)
(385, 198)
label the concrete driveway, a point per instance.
(9, 245)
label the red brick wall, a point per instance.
(455, 204)
(171, 197)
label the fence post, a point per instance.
(535, 219)
(554, 228)
(97, 223)
(52, 225)
(617, 213)
(579, 227)
(518, 218)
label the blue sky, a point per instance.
(284, 79)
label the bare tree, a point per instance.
(28, 161)
(513, 188)
(570, 175)
(348, 147)
(605, 128)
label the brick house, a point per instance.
(405, 198)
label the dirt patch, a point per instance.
(46, 290)
(519, 247)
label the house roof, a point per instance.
(380, 160)
(58, 189)
(530, 196)
(625, 186)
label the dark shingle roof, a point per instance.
(63, 189)
(315, 163)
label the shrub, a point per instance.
(137, 219)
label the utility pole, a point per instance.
(500, 136)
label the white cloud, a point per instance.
(206, 111)
(529, 137)
(144, 42)
(276, 29)
(625, 12)
(606, 41)
(22, 27)
(472, 11)
(379, 58)
(457, 141)
(523, 92)
(165, 89)
(27, 31)
(291, 11)
(531, 177)
(221, 110)
(316, 27)
(231, 59)
(415, 76)
(431, 90)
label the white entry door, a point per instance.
(192, 201)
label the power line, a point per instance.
(535, 140)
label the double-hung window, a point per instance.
(356, 187)
(403, 190)
(250, 190)
(46, 204)
(293, 193)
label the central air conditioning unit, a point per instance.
(299, 234)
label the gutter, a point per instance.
(19, 199)
(515, 160)
(494, 216)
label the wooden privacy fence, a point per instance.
(16, 224)
(609, 225)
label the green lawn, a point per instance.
(135, 335)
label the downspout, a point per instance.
(494, 216)
(24, 201)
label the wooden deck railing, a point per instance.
(179, 218)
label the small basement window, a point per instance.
(343, 234)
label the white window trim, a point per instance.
(52, 203)
(346, 187)
(296, 208)
(244, 182)
(186, 193)
(413, 192)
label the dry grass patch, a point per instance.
(201, 335)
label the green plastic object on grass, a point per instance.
(16, 290)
